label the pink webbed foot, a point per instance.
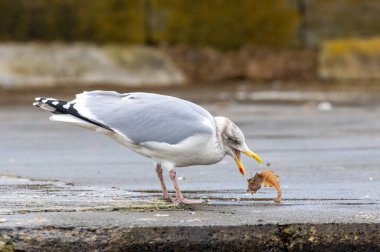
(182, 200)
(179, 199)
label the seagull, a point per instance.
(172, 132)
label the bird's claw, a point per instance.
(181, 200)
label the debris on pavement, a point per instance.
(325, 106)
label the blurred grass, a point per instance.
(338, 48)
(350, 58)
(335, 19)
(224, 24)
(218, 23)
(228, 24)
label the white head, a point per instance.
(233, 141)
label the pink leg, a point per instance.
(179, 198)
(165, 193)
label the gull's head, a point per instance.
(233, 141)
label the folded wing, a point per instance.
(145, 117)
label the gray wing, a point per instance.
(144, 117)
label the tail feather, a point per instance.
(50, 104)
(56, 106)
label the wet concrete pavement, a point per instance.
(52, 174)
(328, 162)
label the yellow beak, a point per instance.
(240, 165)
(253, 155)
(248, 153)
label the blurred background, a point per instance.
(300, 77)
(166, 42)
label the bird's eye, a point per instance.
(233, 140)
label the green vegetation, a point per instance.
(342, 47)
(350, 59)
(6, 244)
(225, 24)
(218, 23)
(229, 24)
(69, 20)
(333, 19)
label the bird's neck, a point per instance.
(220, 125)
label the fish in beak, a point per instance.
(250, 154)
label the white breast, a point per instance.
(195, 150)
